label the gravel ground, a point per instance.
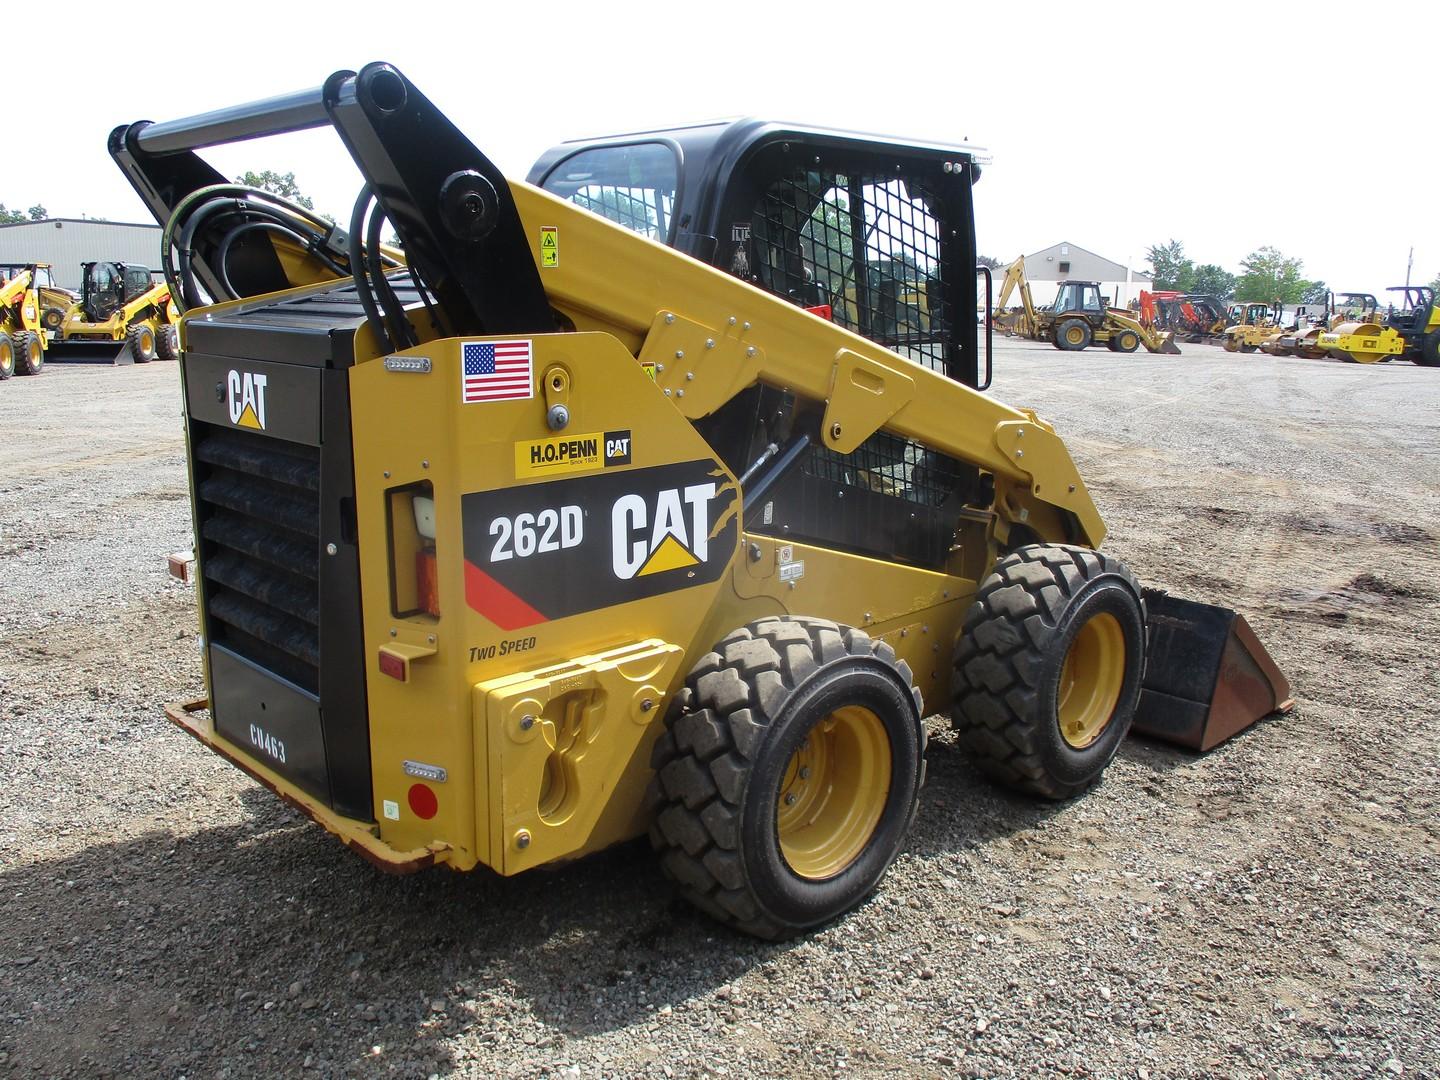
(1265, 910)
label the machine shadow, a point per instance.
(289, 920)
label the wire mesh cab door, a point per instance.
(882, 235)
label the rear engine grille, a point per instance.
(258, 510)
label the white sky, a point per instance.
(1308, 126)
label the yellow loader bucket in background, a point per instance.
(1207, 677)
(1167, 344)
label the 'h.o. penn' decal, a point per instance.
(548, 551)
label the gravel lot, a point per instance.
(1266, 910)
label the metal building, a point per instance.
(1119, 283)
(65, 243)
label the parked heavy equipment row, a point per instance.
(571, 530)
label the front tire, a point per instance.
(29, 353)
(1048, 668)
(788, 775)
(141, 340)
(1127, 341)
(7, 356)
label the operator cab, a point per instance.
(1413, 313)
(872, 233)
(1080, 298)
(109, 286)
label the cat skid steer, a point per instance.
(569, 529)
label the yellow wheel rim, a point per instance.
(1074, 336)
(1090, 680)
(7, 356)
(833, 793)
(147, 340)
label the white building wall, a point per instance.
(65, 243)
(1065, 261)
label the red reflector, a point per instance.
(392, 665)
(423, 802)
(825, 311)
(427, 583)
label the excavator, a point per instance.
(1077, 319)
(561, 526)
(1193, 317)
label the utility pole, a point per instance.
(1409, 264)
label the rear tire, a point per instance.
(141, 340)
(1231, 343)
(1072, 335)
(1048, 668)
(1127, 341)
(53, 318)
(788, 775)
(167, 343)
(29, 353)
(1428, 355)
(7, 356)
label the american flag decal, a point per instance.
(496, 371)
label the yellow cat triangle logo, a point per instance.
(249, 419)
(670, 555)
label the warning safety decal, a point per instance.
(548, 551)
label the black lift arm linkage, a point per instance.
(450, 206)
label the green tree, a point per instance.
(37, 213)
(1169, 268)
(989, 262)
(1435, 285)
(282, 184)
(10, 217)
(1211, 280)
(1270, 276)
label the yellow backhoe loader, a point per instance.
(1077, 319)
(574, 529)
(124, 304)
(24, 288)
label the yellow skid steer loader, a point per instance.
(123, 304)
(579, 525)
(23, 339)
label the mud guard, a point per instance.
(1207, 677)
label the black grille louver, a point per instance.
(258, 505)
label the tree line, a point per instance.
(1267, 275)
